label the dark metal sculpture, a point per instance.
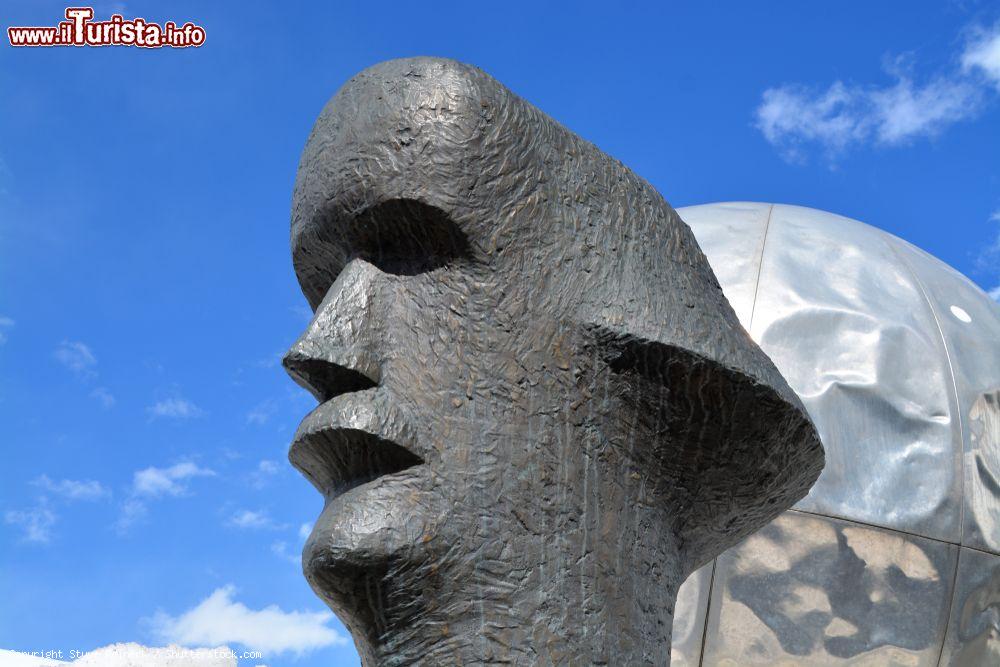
(538, 412)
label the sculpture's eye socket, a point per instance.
(402, 237)
(406, 238)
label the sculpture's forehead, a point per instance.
(451, 137)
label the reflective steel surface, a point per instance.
(982, 466)
(894, 556)
(974, 629)
(689, 617)
(823, 591)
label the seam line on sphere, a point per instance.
(760, 267)
(708, 611)
(959, 416)
(951, 604)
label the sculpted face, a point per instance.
(537, 412)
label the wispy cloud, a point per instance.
(907, 111)
(132, 512)
(104, 397)
(35, 523)
(251, 520)
(267, 467)
(175, 408)
(77, 357)
(843, 116)
(153, 483)
(281, 550)
(982, 54)
(989, 258)
(262, 412)
(5, 323)
(219, 619)
(73, 489)
(262, 474)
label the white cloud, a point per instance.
(175, 408)
(35, 523)
(266, 467)
(280, 549)
(982, 54)
(905, 111)
(81, 360)
(218, 619)
(73, 489)
(104, 397)
(989, 258)
(5, 323)
(843, 116)
(77, 357)
(154, 482)
(792, 114)
(250, 520)
(262, 412)
(133, 511)
(265, 470)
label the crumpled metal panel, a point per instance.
(689, 617)
(982, 474)
(974, 631)
(850, 327)
(897, 358)
(810, 590)
(970, 326)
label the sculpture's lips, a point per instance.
(352, 439)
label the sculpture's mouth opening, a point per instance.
(351, 440)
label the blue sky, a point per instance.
(146, 289)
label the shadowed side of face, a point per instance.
(526, 370)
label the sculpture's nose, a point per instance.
(336, 354)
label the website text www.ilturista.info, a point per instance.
(79, 29)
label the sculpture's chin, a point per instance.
(367, 527)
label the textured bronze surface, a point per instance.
(538, 412)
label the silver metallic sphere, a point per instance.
(894, 556)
